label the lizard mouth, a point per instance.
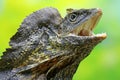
(86, 29)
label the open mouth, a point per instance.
(86, 29)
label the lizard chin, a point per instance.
(86, 29)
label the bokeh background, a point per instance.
(104, 61)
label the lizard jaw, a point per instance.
(86, 29)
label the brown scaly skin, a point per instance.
(48, 47)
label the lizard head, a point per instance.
(80, 22)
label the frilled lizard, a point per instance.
(49, 47)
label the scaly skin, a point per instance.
(44, 49)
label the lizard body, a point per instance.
(49, 47)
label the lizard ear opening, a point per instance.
(70, 10)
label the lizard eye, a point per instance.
(73, 17)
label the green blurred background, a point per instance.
(104, 61)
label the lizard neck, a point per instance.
(68, 72)
(71, 64)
